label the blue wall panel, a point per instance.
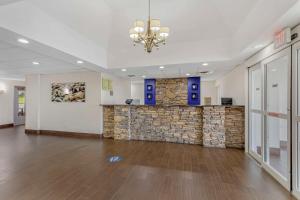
(194, 91)
(150, 92)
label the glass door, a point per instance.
(277, 84)
(19, 105)
(255, 111)
(296, 119)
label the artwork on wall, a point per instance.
(107, 84)
(194, 87)
(149, 87)
(149, 96)
(68, 92)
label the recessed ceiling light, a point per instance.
(204, 64)
(35, 63)
(23, 41)
(79, 62)
(143, 76)
(259, 46)
(188, 74)
(161, 67)
(124, 70)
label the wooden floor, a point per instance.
(53, 168)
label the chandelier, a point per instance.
(153, 36)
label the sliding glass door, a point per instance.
(277, 116)
(269, 115)
(255, 111)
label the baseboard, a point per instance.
(64, 134)
(6, 126)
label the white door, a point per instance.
(276, 120)
(255, 111)
(296, 119)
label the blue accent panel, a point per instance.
(194, 96)
(150, 92)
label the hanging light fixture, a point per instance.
(153, 36)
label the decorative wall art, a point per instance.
(68, 92)
(107, 84)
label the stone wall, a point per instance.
(121, 120)
(179, 124)
(172, 91)
(235, 127)
(108, 121)
(224, 126)
(214, 126)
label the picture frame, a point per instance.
(149, 87)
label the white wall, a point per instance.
(121, 90)
(209, 89)
(7, 100)
(232, 85)
(137, 91)
(42, 114)
(32, 120)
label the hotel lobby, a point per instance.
(121, 100)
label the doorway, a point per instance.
(19, 105)
(269, 115)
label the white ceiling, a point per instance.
(4, 2)
(16, 58)
(221, 32)
(216, 70)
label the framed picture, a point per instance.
(194, 95)
(149, 96)
(104, 84)
(194, 87)
(149, 87)
(68, 92)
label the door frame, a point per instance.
(295, 120)
(282, 180)
(16, 89)
(252, 153)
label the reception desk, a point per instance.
(210, 126)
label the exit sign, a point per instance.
(282, 37)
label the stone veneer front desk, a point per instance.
(211, 126)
